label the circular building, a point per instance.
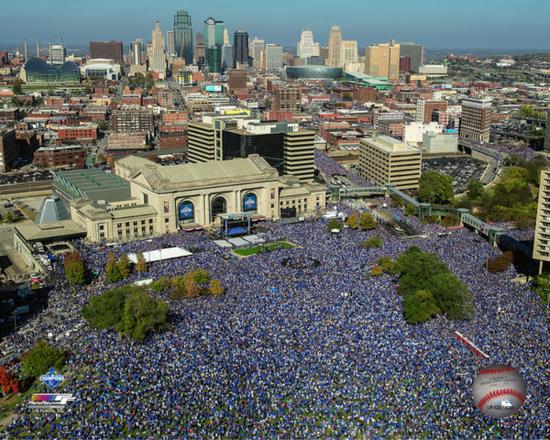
(314, 72)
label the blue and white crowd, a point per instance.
(295, 353)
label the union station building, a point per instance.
(144, 199)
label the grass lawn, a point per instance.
(247, 252)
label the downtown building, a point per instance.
(382, 60)
(385, 160)
(541, 245)
(284, 146)
(183, 36)
(108, 50)
(476, 120)
(240, 50)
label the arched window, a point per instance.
(219, 206)
(250, 202)
(186, 211)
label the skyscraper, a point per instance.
(476, 119)
(227, 57)
(350, 52)
(213, 42)
(383, 60)
(26, 50)
(240, 48)
(157, 61)
(183, 36)
(136, 48)
(541, 247)
(170, 45)
(111, 50)
(547, 132)
(335, 58)
(273, 57)
(307, 47)
(226, 36)
(56, 53)
(257, 46)
(413, 51)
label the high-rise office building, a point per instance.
(56, 53)
(157, 61)
(200, 50)
(541, 245)
(284, 146)
(273, 57)
(136, 49)
(413, 51)
(350, 52)
(25, 50)
(111, 50)
(227, 57)
(226, 36)
(236, 80)
(183, 36)
(476, 119)
(257, 46)
(213, 42)
(335, 58)
(383, 60)
(240, 48)
(307, 47)
(425, 109)
(170, 45)
(384, 160)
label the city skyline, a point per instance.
(433, 24)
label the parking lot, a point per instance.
(461, 169)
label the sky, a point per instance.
(464, 24)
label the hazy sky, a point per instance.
(435, 23)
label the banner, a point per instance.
(186, 211)
(250, 203)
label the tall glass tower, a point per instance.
(213, 41)
(183, 36)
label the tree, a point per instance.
(39, 359)
(500, 263)
(74, 268)
(9, 218)
(388, 265)
(376, 271)
(215, 287)
(475, 189)
(435, 188)
(141, 265)
(410, 210)
(367, 221)
(112, 272)
(129, 310)
(419, 307)
(541, 286)
(192, 289)
(450, 220)
(374, 242)
(452, 296)
(416, 268)
(105, 311)
(160, 285)
(142, 315)
(353, 221)
(17, 87)
(124, 266)
(333, 225)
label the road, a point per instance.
(27, 187)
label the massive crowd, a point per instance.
(294, 351)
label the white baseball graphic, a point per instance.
(499, 391)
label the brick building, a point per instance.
(127, 141)
(60, 156)
(9, 150)
(287, 99)
(132, 121)
(77, 133)
(172, 140)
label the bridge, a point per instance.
(423, 210)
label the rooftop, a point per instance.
(92, 184)
(390, 145)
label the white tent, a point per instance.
(161, 254)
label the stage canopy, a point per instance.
(161, 254)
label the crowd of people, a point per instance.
(294, 350)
